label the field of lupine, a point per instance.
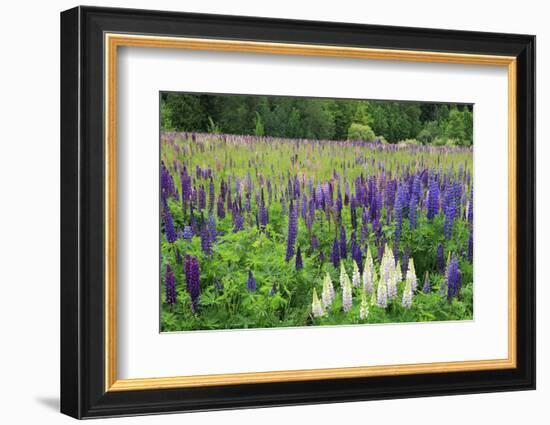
(269, 232)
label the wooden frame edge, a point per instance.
(114, 40)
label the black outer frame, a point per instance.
(82, 208)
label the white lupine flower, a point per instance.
(407, 294)
(346, 296)
(382, 293)
(364, 308)
(410, 285)
(356, 276)
(411, 274)
(344, 278)
(328, 291)
(368, 273)
(316, 307)
(345, 284)
(399, 275)
(390, 271)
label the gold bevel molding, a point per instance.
(113, 41)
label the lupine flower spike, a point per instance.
(345, 284)
(368, 273)
(316, 307)
(364, 307)
(356, 276)
(328, 291)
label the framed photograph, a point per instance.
(261, 212)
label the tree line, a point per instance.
(316, 118)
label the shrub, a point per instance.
(360, 132)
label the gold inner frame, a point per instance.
(113, 41)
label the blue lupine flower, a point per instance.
(314, 242)
(169, 229)
(413, 202)
(206, 243)
(212, 228)
(299, 263)
(251, 282)
(471, 207)
(292, 231)
(211, 196)
(353, 213)
(454, 278)
(335, 254)
(343, 243)
(170, 286)
(450, 212)
(398, 211)
(262, 215)
(202, 198)
(185, 185)
(426, 288)
(220, 208)
(357, 256)
(471, 245)
(433, 199)
(440, 260)
(193, 280)
(187, 233)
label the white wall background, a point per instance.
(29, 210)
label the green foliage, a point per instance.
(459, 127)
(429, 133)
(360, 132)
(259, 128)
(315, 118)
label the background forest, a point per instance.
(316, 118)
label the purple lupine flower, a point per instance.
(273, 289)
(220, 208)
(353, 213)
(426, 288)
(262, 215)
(450, 212)
(292, 231)
(343, 243)
(440, 261)
(251, 282)
(398, 210)
(319, 198)
(471, 207)
(170, 286)
(202, 198)
(206, 243)
(166, 182)
(433, 199)
(211, 196)
(391, 188)
(169, 229)
(357, 255)
(212, 228)
(238, 221)
(193, 280)
(335, 254)
(187, 233)
(413, 202)
(405, 261)
(453, 278)
(299, 262)
(471, 245)
(185, 185)
(314, 242)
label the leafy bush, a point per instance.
(360, 132)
